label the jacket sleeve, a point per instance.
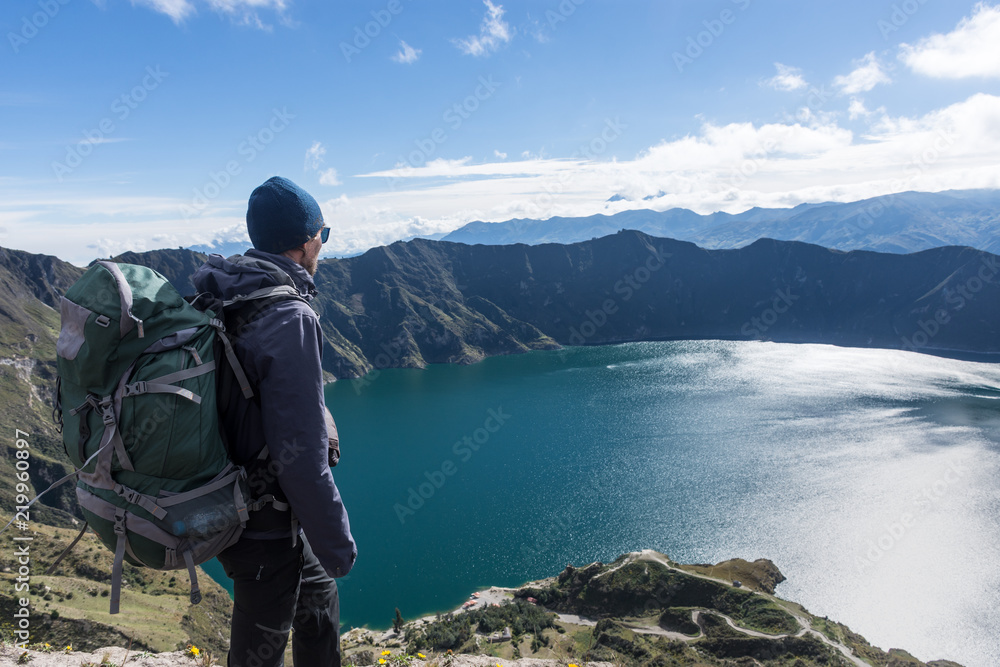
(294, 421)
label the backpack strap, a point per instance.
(52, 568)
(110, 407)
(116, 571)
(240, 311)
(165, 384)
(125, 292)
(56, 483)
(57, 411)
(263, 293)
(234, 363)
(90, 404)
(268, 499)
(226, 477)
(145, 502)
(193, 573)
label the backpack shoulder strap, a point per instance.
(286, 291)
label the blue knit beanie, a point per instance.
(281, 216)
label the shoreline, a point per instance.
(970, 356)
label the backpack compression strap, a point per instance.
(264, 293)
(125, 292)
(56, 483)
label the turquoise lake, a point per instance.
(868, 476)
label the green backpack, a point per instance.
(137, 384)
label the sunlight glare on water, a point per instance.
(867, 476)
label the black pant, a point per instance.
(277, 588)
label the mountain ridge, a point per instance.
(418, 302)
(899, 223)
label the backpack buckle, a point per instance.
(130, 495)
(108, 413)
(119, 523)
(259, 503)
(262, 502)
(134, 389)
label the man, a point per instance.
(282, 579)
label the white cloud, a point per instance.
(972, 49)
(329, 177)
(234, 6)
(80, 226)
(438, 167)
(97, 141)
(502, 156)
(242, 11)
(314, 156)
(235, 233)
(407, 54)
(464, 168)
(729, 167)
(787, 79)
(857, 109)
(493, 33)
(178, 10)
(866, 75)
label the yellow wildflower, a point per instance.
(194, 650)
(386, 652)
(381, 661)
(421, 656)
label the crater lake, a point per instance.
(867, 476)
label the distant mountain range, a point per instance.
(419, 302)
(224, 248)
(899, 223)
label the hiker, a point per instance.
(283, 575)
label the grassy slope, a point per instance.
(70, 607)
(27, 383)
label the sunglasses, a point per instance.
(324, 234)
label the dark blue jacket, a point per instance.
(281, 352)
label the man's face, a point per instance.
(310, 259)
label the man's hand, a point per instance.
(333, 438)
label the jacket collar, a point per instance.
(303, 282)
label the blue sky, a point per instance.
(146, 124)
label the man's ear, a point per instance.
(299, 248)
